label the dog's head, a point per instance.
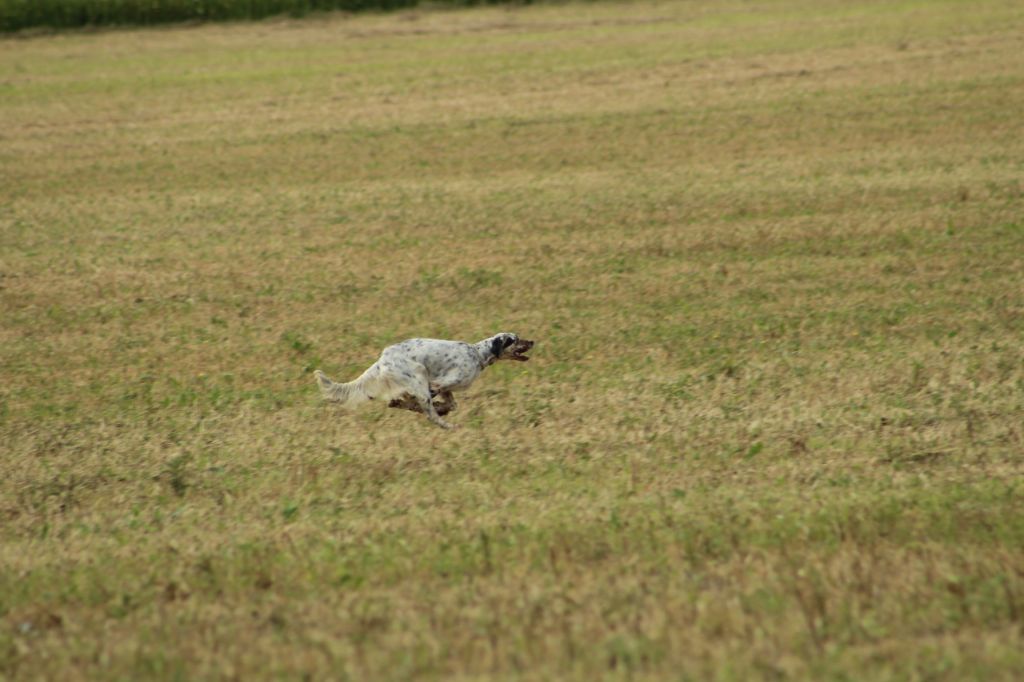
(508, 346)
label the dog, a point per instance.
(412, 373)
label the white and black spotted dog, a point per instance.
(412, 373)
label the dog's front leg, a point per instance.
(428, 408)
(447, 403)
(444, 406)
(406, 402)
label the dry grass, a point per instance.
(772, 253)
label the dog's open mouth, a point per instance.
(518, 350)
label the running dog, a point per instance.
(412, 373)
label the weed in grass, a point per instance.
(176, 476)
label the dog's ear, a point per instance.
(496, 347)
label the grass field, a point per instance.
(773, 256)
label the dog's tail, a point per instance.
(348, 394)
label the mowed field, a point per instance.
(772, 253)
